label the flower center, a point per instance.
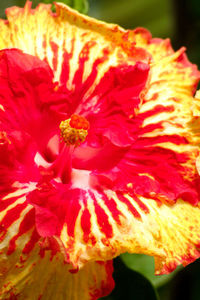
(74, 130)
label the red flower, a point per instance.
(97, 155)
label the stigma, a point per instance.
(74, 130)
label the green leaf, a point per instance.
(145, 265)
(130, 285)
(80, 5)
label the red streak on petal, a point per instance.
(86, 225)
(131, 208)
(64, 76)
(190, 257)
(170, 267)
(54, 48)
(44, 245)
(140, 203)
(154, 97)
(65, 68)
(83, 57)
(12, 215)
(31, 243)
(44, 43)
(102, 219)
(150, 127)
(175, 139)
(89, 81)
(107, 285)
(83, 87)
(12, 296)
(49, 243)
(5, 203)
(156, 110)
(26, 224)
(71, 216)
(74, 271)
(112, 206)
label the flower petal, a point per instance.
(30, 263)
(146, 211)
(172, 84)
(69, 42)
(110, 224)
(162, 143)
(45, 278)
(195, 123)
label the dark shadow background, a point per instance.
(177, 19)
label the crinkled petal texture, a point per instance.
(132, 185)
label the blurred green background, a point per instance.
(177, 19)
(180, 21)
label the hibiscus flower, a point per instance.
(97, 155)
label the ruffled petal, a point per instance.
(41, 277)
(159, 170)
(195, 123)
(164, 145)
(34, 267)
(162, 163)
(106, 224)
(69, 42)
(172, 85)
